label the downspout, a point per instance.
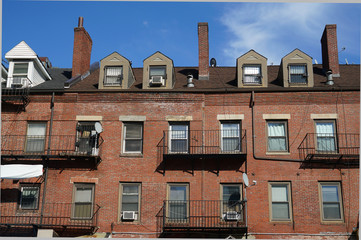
(47, 157)
(254, 138)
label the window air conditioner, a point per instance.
(232, 216)
(128, 215)
(157, 81)
(18, 82)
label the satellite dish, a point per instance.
(98, 127)
(245, 179)
(213, 62)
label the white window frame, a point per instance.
(326, 135)
(125, 124)
(106, 82)
(159, 67)
(288, 201)
(23, 188)
(38, 137)
(285, 124)
(224, 136)
(137, 213)
(339, 202)
(171, 136)
(256, 76)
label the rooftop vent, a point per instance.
(190, 80)
(329, 78)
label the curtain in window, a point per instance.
(133, 137)
(35, 140)
(29, 198)
(325, 136)
(297, 74)
(83, 202)
(230, 137)
(280, 205)
(178, 203)
(276, 137)
(331, 202)
(252, 74)
(113, 76)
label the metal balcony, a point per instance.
(202, 215)
(17, 94)
(340, 149)
(55, 216)
(24, 148)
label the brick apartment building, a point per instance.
(256, 150)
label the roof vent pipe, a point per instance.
(329, 78)
(190, 81)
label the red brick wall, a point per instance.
(203, 184)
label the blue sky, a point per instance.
(138, 29)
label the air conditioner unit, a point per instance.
(19, 82)
(232, 216)
(156, 81)
(128, 215)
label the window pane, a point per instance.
(280, 211)
(326, 144)
(113, 71)
(83, 195)
(133, 131)
(130, 207)
(82, 210)
(157, 70)
(330, 193)
(331, 211)
(178, 210)
(130, 198)
(231, 144)
(133, 145)
(29, 197)
(178, 193)
(279, 194)
(35, 140)
(276, 129)
(130, 189)
(230, 130)
(325, 128)
(252, 70)
(297, 69)
(277, 144)
(179, 146)
(21, 68)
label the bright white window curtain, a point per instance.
(252, 75)
(276, 137)
(35, 141)
(113, 75)
(331, 202)
(230, 136)
(280, 206)
(325, 136)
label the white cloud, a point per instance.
(271, 29)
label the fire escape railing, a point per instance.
(201, 215)
(203, 142)
(61, 145)
(328, 144)
(54, 214)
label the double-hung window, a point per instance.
(177, 203)
(277, 136)
(326, 136)
(280, 201)
(331, 201)
(231, 136)
(35, 138)
(20, 71)
(231, 201)
(157, 75)
(133, 137)
(252, 74)
(29, 197)
(298, 74)
(130, 201)
(178, 138)
(83, 200)
(113, 76)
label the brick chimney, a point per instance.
(330, 50)
(82, 49)
(203, 51)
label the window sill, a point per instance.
(131, 155)
(281, 221)
(335, 222)
(278, 153)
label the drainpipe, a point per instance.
(47, 157)
(254, 138)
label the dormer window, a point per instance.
(252, 74)
(157, 75)
(298, 74)
(113, 76)
(20, 70)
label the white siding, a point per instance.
(35, 75)
(21, 50)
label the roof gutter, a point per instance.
(254, 138)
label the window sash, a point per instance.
(29, 198)
(83, 201)
(178, 138)
(130, 197)
(133, 137)
(277, 137)
(157, 71)
(326, 137)
(35, 139)
(231, 197)
(113, 76)
(20, 69)
(298, 74)
(231, 140)
(280, 202)
(177, 202)
(252, 74)
(331, 202)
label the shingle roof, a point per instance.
(225, 79)
(59, 76)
